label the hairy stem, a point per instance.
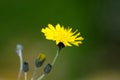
(34, 73)
(25, 75)
(21, 65)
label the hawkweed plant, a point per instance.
(63, 37)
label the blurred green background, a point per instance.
(98, 58)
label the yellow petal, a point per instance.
(51, 27)
(79, 38)
(43, 30)
(67, 44)
(76, 43)
(76, 35)
(41, 56)
(58, 27)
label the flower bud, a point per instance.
(47, 69)
(25, 67)
(40, 60)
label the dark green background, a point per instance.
(97, 20)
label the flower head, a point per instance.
(19, 49)
(62, 35)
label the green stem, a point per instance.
(21, 65)
(41, 77)
(56, 56)
(53, 62)
(25, 75)
(35, 70)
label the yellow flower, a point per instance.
(62, 35)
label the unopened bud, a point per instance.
(40, 60)
(25, 67)
(47, 69)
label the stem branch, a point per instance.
(53, 62)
